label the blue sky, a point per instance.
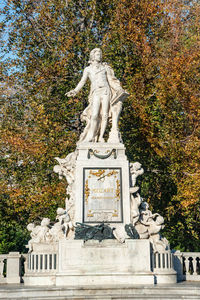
(5, 34)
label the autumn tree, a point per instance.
(158, 47)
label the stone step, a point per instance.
(120, 297)
(170, 297)
(165, 292)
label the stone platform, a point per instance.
(184, 290)
(109, 262)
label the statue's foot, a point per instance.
(134, 189)
(101, 140)
(114, 136)
(90, 140)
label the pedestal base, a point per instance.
(107, 263)
(75, 263)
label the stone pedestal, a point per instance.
(102, 184)
(107, 263)
(101, 191)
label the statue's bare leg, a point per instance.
(104, 118)
(96, 101)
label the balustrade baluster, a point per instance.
(195, 267)
(187, 265)
(41, 262)
(33, 262)
(47, 262)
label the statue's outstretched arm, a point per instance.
(79, 85)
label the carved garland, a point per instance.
(101, 156)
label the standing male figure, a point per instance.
(105, 99)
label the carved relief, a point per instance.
(145, 224)
(66, 168)
(87, 191)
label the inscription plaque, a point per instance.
(102, 195)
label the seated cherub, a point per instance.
(39, 233)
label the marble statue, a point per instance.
(135, 199)
(64, 220)
(57, 232)
(39, 233)
(63, 227)
(135, 170)
(135, 204)
(44, 233)
(149, 225)
(66, 168)
(105, 100)
(146, 224)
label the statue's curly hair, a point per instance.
(92, 53)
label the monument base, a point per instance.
(107, 263)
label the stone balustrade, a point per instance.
(187, 265)
(42, 262)
(163, 260)
(163, 267)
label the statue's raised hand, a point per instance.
(71, 93)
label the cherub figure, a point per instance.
(39, 233)
(34, 239)
(145, 217)
(57, 232)
(159, 243)
(135, 204)
(135, 170)
(64, 220)
(149, 226)
(66, 168)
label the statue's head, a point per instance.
(144, 205)
(135, 166)
(60, 211)
(95, 54)
(45, 222)
(30, 226)
(160, 220)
